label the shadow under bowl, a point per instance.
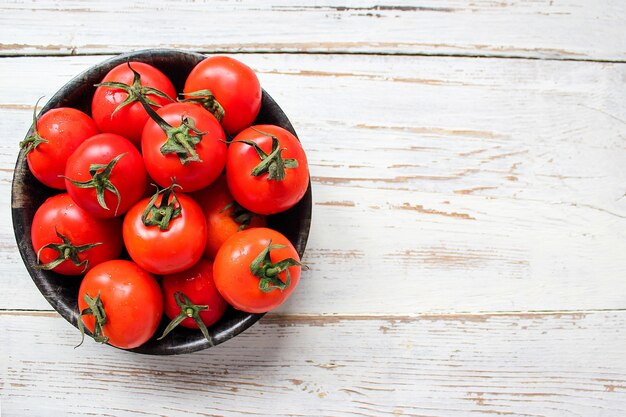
(27, 194)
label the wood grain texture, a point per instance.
(460, 185)
(560, 364)
(565, 29)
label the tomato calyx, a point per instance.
(67, 251)
(206, 99)
(34, 140)
(135, 91)
(240, 215)
(100, 174)
(263, 268)
(273, 163)
(187, 310)
(179, 141)
(95, 308)
(167, 210)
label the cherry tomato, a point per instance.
(256, 270)
(234, 86)
(69, 240)
(194, 160)
(106, 175)
(114, 106)
(120, 303)
(192, 294)
(163, 246)
(266, 169)
(57, 134)
(224, 217)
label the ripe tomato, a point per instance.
(191, 299)
(115, 107)
(256, 270)
(165, 234)
(106, 175)
(187, 144)
(120, 303)
(266, 169)
(69, 240)
(224, 217)
(232, 84)
(56, 135)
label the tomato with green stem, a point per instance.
(183, 141)
(120, 304)
(256, 270)
(56, 135)
(224, 216)
(166, 233)
(191, 299)
(115, 105)
(228, 88)
(106, 175)
(70, 241)
(266, 169)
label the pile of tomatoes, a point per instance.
(164, 200)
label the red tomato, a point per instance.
(121, 86)
(224, 217)
(69, 240)
(194, 160)
(127, 300)
(106, 175)
(161, 246)
(57, 134)
(192, 295)
(266, 169)
(234, 86)
(256, 270)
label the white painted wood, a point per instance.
(559, 364)
(570, 29)
(440, 184)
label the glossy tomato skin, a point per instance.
(231, 270)
(131, 298)
(193, 175)
(217, 204)
(65, 129)
(258, 193)
(166, 251)
(129, 120)
(60, 213)
(128, 175)
(234, 85)
(198, 285)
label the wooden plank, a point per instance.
(564, 364)
(570, 29)
(479, 185)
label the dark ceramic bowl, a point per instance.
(28, 194)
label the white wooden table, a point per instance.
(467, 253)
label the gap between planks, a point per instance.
(74, 52)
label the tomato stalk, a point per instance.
(135, 91)
(95, 308)
(240, 215)
(206, 99)
(34, 140)
(180, 140)
(263, 268)
(187, 310)
(67, 251)
(100, 174)
(273, 163)
(162, 214)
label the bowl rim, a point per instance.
(242, 320)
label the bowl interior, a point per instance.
(28, 194)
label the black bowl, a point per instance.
(28, 194)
